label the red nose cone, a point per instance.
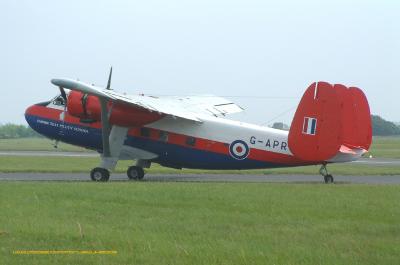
(28, 114)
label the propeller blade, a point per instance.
(109, 80)
(63, 94)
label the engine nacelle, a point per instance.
(80, 107)
(87, 108)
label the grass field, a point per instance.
(200, 223)
(386, 147)
(36, 144)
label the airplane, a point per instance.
(332, 124)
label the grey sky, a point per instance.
(266, 53)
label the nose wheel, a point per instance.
(328, 178)
(135, 173)
(100, 174)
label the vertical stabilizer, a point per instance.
(329, 118)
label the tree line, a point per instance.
(383, 127)
(11, 131)
(380, 127)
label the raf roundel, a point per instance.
(239, 149)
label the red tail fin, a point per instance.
(327, 118)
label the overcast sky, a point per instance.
(261, 54)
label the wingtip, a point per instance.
(56, 81)
(64, 82)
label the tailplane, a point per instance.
(331, 123)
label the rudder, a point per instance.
(329, 117)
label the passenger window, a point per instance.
(145, 132)
(191, 141)
(163, 136)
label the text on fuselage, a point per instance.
(272, 144)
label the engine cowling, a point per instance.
(87, 108)
(80, 107)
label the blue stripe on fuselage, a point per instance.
(168, 154)
(70, 133)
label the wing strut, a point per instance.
(105, 127)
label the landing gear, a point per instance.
(135, 173)
(99, 174)
(328, 178)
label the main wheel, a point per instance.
(99, 174)
(328, 178)
(135, 173)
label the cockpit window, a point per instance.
(59, 101)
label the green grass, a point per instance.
(200, 223)
(36, 144)
(78, 164)
(386, 147)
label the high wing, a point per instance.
(207, 104)
(187, 108)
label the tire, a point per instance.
(328, 179)
(135, 173)
(100, 174)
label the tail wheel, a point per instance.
(100, 174)
(135, 173)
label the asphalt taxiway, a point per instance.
(202, 178)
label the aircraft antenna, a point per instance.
(279, 115)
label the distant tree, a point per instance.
(9, 131)
(383, 127)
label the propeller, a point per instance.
(62, 115)
(109, 80)
(84, 101)
(78, 86)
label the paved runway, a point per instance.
(203, 178)
(378, 161)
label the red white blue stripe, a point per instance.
(310, 126)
